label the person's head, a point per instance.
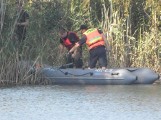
(62, 33)
(83, 28)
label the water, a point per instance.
(117, 102)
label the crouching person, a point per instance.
(67, 41)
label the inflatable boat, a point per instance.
(117, 76)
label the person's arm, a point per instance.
(74, 48)
(26, 17)
(79, 43)
(26, 23)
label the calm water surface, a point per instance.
(117, 102)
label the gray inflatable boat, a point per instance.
(126, 76)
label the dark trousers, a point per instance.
(78, 63)
(98, 54)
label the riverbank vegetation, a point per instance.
(132, 27)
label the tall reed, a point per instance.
(114, 17)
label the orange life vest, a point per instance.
(94, 38)
(67, 43)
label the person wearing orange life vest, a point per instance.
(68, 40)
(95, 41)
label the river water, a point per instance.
(102, 102)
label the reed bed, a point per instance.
(133, 44)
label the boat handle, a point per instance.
(90, 73)
(114, 73)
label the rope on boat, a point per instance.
(67, 73)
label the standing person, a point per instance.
(95, 41)
(68, 40)
(22, 22)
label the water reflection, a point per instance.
(123, 102)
